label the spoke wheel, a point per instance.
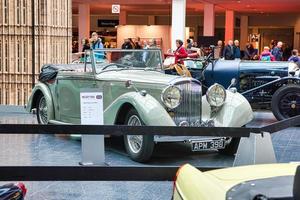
(286, 102)
(42, 110)
(138, 147)
(135, 141)
(289, 105)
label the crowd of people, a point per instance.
(231, 51)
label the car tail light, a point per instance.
(22, 187)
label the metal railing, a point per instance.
(118, 173)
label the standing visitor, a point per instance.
(180, 52)
(218, 50)
(266, 55)
(295, 57)
(236, 49)
(137, 43)
(189, 43)
(127, 44)
(228, 52)
(277, 51)
(250, 53)
(96, 44)
(85, 45)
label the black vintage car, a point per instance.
(266, 85)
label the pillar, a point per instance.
(151, 20)
(229, 25)
(178, 21)
(297, 34)
(209, 20)
(83, 23)
(123, 17)
(244, 31)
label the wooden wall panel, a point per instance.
(53, 36)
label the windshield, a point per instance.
(118, 59)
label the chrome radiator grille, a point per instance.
(188, 113)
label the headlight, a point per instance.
(216, 95)
(171, 97)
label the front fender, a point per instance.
(149, 109)
(41, 88)
(235, 112)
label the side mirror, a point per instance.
(128, 84)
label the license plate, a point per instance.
(208, 145)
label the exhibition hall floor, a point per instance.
(52, 150)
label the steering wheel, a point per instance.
(118, 65)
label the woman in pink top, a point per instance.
(266, 55)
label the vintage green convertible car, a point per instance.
(138, 92)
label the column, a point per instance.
(297, 34)
(83, 23)
(178, 21)
(209, 20)
(229, 25)
(123, 17)
(244, 31)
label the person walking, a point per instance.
(266, 55)
(228, 52)
(236, 49)
(277, 51)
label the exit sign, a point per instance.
(115, 8)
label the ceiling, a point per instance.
(163, 7)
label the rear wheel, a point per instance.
(42, 110)
(231, 148)
(286, 102)
(139, 147)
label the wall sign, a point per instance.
(107, 23)
(115, 8)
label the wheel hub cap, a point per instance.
(135, 142)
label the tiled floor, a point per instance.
(52, 150)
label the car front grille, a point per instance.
(188, 113)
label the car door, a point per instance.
(69, 85)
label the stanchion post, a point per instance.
(256, 149)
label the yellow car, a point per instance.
(256, 182)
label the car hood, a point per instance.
(142, 76)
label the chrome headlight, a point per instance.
(216, 95)
(171, 97)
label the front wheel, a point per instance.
(139, 147)
(286, 102)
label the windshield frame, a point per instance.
(94, 63)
